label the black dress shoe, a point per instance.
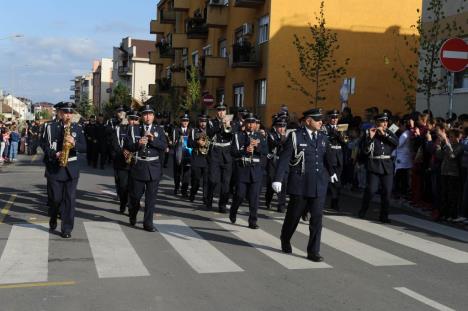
(232, 218)
(385, 220)
(286, 247)
(65, 235)
(253, 226)
(132, 221)
(305, 217)
(122, 209)
(52, 224)
(315, 258)
(222, 210)
(362, 214)
(149, 229)
(280, 209)
(192, 198)
(268, 205)
(175, 191)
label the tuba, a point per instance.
(66, 147)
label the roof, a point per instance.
(143, 47)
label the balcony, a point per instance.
(179, 41)
(167, 16)
(124, 71)
(245, 56)
(165, 50)
(178, 79)
(72, 88)
(214, 67)
(217, 15)
(152, 89)
(181, 5)
(196, 28)
(72, 96)
(248, 3)
(163, 85)
(154, 58)
(156, 28)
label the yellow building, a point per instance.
(243, 49)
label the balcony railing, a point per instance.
(245, 56)
(167, 16)
(165, 50)
(196, 28)
(248, 3)
(179, 41)
(156, 28)
(214, 67)
(178, 79)
(124, 70)
(181, 5)
(72, 88)
(217, 15)
(72, 96)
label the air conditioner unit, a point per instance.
(218, 2)
(247, 29)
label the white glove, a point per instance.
(334, 179)
(276, 186)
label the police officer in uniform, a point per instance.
(379, 143)
(219, 158)
(307, 154)
(120, 156)
(276, 138)
(167, 129)
(199, 143)
(337, 144)
(91, 141)
(63, 180)
(182, 155)
(248, 147)
(147, 142)
(100, 142)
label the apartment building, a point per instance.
(132, 68)
(102, 82)
(83, 89)
(440, 101)
(243, 49)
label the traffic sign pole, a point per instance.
(452, 85)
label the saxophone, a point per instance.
(66, 147)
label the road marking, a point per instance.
(113, 254)
(26, 254)
(270, 246)
(450, 232)
(39, 284)
(33, 158)
(6, 208)
(406, 239)
(108, 192)
(194, 249)
(361, 251)
(423, 299)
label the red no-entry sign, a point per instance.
(208, 100)
(454, 55)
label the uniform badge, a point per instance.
(73, 134)
(156, 135)
(323, 143)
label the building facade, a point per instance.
(83, 89)
(244, 48)
(439, 104)
(132, 68)
(102, 82)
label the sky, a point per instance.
(61, 40)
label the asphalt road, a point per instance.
(199, 261)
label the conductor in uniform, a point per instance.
(62, 172)
(148, 143)
(379, 143)
(307, 154)
(248, 147)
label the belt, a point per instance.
(336, 147)
(381, 157)
(72, 159)
(148, 159)
(249, 160)
(221, 144)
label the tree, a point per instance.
(424, 76)
(192, 102)
(85, 108)
(120, 97)
(317, 63)
(43, 115)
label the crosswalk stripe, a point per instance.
(361, 251)
(194, 249)
(450, 232)
(26, 254)
(270, 246)
(406, 239)
(113, 254)
(423, 299)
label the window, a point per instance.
(195, 58)
(222, 48)
(239, 96)
(263, 29)
(219, 96)
(207, 50)
(461, 80)
(185, 61)
(261, 92)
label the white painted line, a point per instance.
(194, 249)
(431, 226)
(108, 192)
(270, 246)
(406, 239)
(455, 54)
(26, 255)
(361, 251)
(423, 299)
(113, 254)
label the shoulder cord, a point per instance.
(298, 157)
